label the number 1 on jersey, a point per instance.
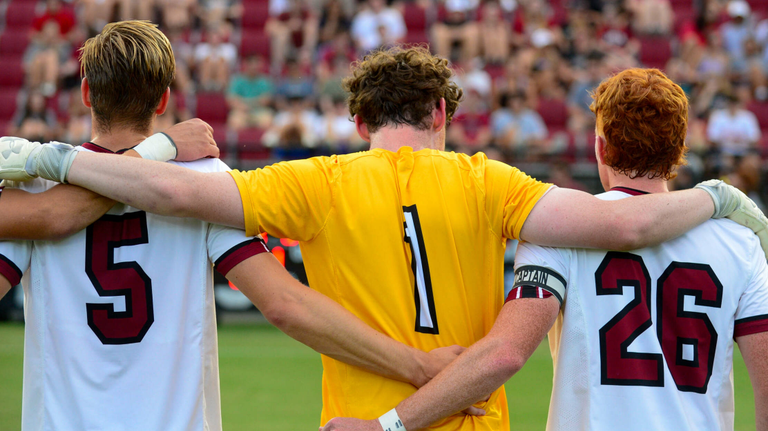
(426, 318)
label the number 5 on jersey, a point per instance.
(426, 318)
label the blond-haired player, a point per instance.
(120, 324)
(644, 340)
(408, 237)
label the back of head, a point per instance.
(401, 86)
(644, 119)
(128, 67)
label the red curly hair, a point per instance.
(644, 118)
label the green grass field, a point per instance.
(271, 382)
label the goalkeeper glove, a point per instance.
(732, 203)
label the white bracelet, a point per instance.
(159, 147)
(390, 421)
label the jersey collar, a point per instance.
(99, 149)
(629, 191)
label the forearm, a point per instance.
(5, 286)
(485, 366)
(473, 376)
(54, 214)
(569, 218)
(322, 324)
(160, 188)
(761, 412)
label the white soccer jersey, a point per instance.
(644, 340)
(120, 320)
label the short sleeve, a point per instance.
(544, 268)
(15, 257)
(288, 199)
(227, 247)
(752, 312)
(511, 195)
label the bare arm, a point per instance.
(482, 369)
(5, 286)
(324, 325)
(50, 215)
(161, 188)
(570, 218)
(754, 349)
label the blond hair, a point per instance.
(128, 67)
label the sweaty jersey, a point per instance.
(644, 340)
(120, 320)
(410, 242)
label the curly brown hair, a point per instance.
(401, 86)
(644, 117)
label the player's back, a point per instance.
(645, 338)
(413, 244)
(120, 322)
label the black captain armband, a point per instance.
(532, 281)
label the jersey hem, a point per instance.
(251, 226)
(527, 212)
(750, 325)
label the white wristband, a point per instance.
(159, 147)
(390, 421)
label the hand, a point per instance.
(193, 139)
(22, 160)
(438, 359)
(732, 203)
(350, 424)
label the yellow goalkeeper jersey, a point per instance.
(410, 242)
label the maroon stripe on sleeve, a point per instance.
(10, 271)
(239, 253)
(750, 325)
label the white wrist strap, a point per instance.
(390, 421)
(159, 147)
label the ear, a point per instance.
(362, 129)
(600, 148)
(85, 92)
(163, 102)
(439, 116)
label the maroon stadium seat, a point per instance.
(415, 17)
(8, 103)
(212, 107)
(416, 37)
(14, 42)
(13, 71)
(254, 42)
(655, 51)
(255, 15)
(249, 146)
(20, 14)
(760, 109)
(554, 112)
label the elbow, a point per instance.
(281, 315)
(506, 362)
(61, 227)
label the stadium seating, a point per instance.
(655, 51)
(254, 42)
(14, 42)
(20, 14)
(249, 146)
(554, 112)
(13, 71)
(212, 107)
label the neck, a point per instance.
(117, 138)
(656, 185)
(393, 138)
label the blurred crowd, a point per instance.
(267, 73)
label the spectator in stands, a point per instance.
(734, 130)
(746, 176)
(35, 121)
(184, 53)
(296, 84)
(470, 130)
(44, 58)
(78, 126)
(470, 75)
(377, 25)
(250, 96)
(298, 114)
(218, 13)
(213, 61)
(458, 31)
(579, 98)
(651, 17)
(736, 32)
(495, 34)
(177, 14)
(333, 21)
(517, 127)
(338, 130)
(561, 176)
(292, 33)
(56, 11)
